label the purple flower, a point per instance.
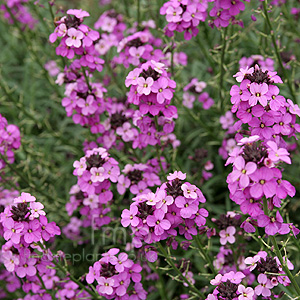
(105, 285)
(264, 287)
(264, 183)
(158, 222)
(187, 207)
(161, 87)
(144, 85)
(12, 230)
(246, 293)
(74, 38)
(26, 267)
(129, 217)
(271, 224)
(258, 92)
(276, 154)
(242, 171)
(227, 235)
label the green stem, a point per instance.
(171, 263)
(30, 184)
(284, 266)
(34, 53)
(172, 58)
(204, 253)
(86, 79)
(222, 69)
(279, 60)
(138, 14)
(278, 253)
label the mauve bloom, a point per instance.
(25, 197)
(10, 260)
(129, 217)
(187, 207)
(161, 87)
(75, 37)
(276, 154)
(105, 285)
(264, 287)
(258, 92)
(158, 222)
(246, 293)
(271, 224)
(264, 184)
(26, 267)
(227, 235)
(12, 230)
(242, 171)
(241, 74)
(36, 210)
(144, 85)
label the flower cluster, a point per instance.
(19, 11)
(184, 16)
(85, 103)
(113, 27)
(194, 89)
(83, 100)
(156, 216)
(257, 159)
(225, 12)
(262, 272)
(139, 177)
(264, 63)
(10, 140)
(152, 89)
(95, 172)
(26, 228)
(117, 276)
(77, 38)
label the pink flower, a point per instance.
(242, 171)
(144, 85)
(97, 174)
(176, 174)
(276, 154)
(246, 293)
(105, 285)
(189, 191)
(75, 37)
(132, 77)
(25, 197)
(129, 217)
(227, 235)
(258, 92)
(36, 210)
(121, 262)
(241, 74)
(78, 13)
(187, 207)
(264, 287)
(26, 267)
(161, 88)
(12, 230)
(264, 184)
(252, 261)
(271, 224)
(158, 222)
(10, 261)
(174, 14)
